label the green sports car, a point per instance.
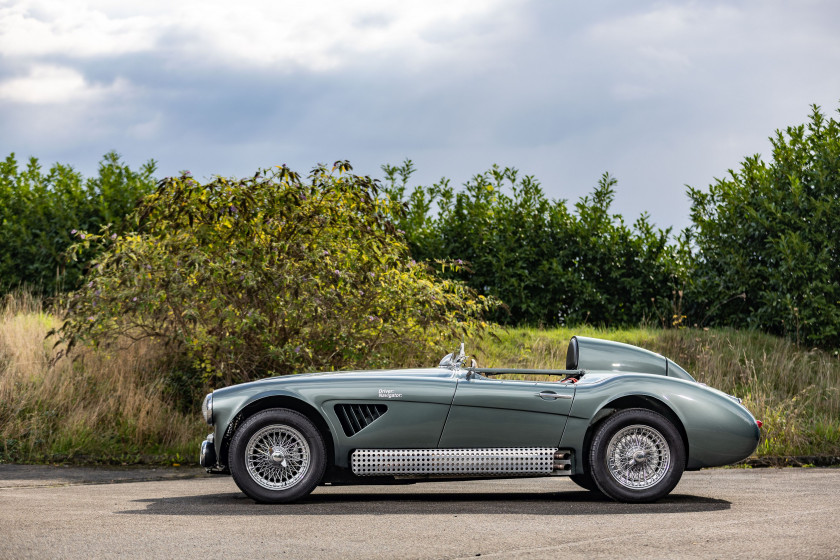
(619, 420)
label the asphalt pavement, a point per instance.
(67, 512)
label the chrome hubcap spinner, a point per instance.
(277, 457)
(638, 457)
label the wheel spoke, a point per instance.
(277, 457)
(638, 457)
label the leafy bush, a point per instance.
(269, 274)
(39, 210)
(549, 265)
(767, 239)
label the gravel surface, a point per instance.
(67, 512)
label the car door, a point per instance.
(504, 413)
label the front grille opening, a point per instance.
(356, 417)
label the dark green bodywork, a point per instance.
(463, 408)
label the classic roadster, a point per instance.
(619, 420)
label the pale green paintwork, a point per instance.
(415, 419)
(457, 408)
(605, 355)
(719, 430)
(494, 413)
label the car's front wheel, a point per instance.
(637, 455)
(277, 455)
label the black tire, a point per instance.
(584, 478)
(277, 456)
(637, 455)
(585, 481)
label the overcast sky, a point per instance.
(659, 94)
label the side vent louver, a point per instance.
(356, 417)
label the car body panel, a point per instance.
(719, 430)
(595, 354)
(418, 402)
(504, 413)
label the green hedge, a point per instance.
(550, 265)
(767, 239)
(762, 251)
(39, 210)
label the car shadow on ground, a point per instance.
(400, 503)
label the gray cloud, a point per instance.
(660, 94)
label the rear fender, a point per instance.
(717, 430)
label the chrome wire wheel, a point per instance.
(638, 457)
(277, 457)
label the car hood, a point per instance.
(342, 377)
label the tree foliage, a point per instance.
(269, 274)
(768, 242)
(38, 210)
(548, 264)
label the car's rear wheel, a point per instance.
(584, 478)
(585, 481)
(637, 455)
(277, 455)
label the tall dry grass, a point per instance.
(100, 406)
(795, 391)
(524, 347)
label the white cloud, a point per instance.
(33, 28)
(263, 33)
(322, 35)
(53, 85)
